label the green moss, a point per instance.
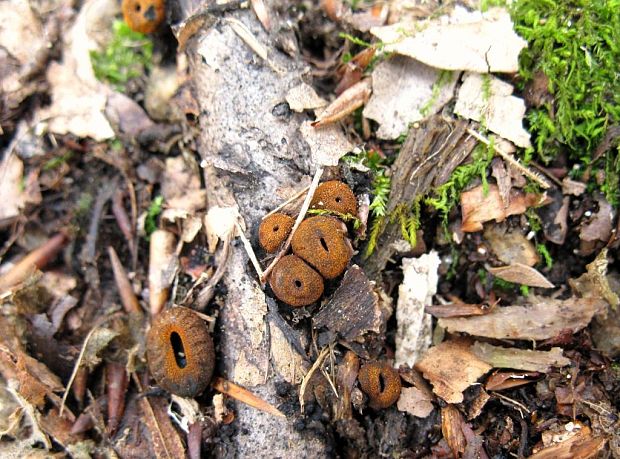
(150, 223)
(127, 56)
(445, 197)
(576, 44)
(544, 252)
(347, 218)
(444, 78)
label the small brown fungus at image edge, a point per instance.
(336, 196)
(322, 242)
(274, 230)
(381, 383)
(180, 352)
(295, 283)
(144, 16)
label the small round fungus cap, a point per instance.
(322, 242)
(381, 383)
(334, 195)
(274, 230)
(295, 283)
(144, 16)
(180, 353)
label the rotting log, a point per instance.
(251, 146)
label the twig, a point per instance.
(287, 202)
(80, 357)
(205, 295)
(511, 160)
(317, 363)
(243, 395)
(300, 217)
(513, 402)
(249, 250)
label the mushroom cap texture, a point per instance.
(334, 195)
(322, 242)
(295, 283)
(274, 230)
(172, 329)
(381, 383)
(144, 16)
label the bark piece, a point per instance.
(414, 325)
(407, 87)
(520, 359)
(451, 428)
(451, 368)
(464, 41)
(495, 106)
(521, 274)
(577, 443)
(353, 310)
(543, 318)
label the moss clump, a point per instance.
(127, 56)
(575, 44)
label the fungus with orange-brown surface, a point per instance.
(144, 16)
(180, 352)
(322, 242)
(295, 283)
(381, 383)
(274, 230)
(334, 195)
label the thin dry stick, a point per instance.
(511, 160)
(287, 202)
(513, 402)
(300, 217)
(249, 250)
(80, 357)
(317, 363)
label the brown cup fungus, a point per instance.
(334, 195)
(274, 230)
(144, 16)
(381, 383)
(322, 242)
(295, 283)
(180, 352)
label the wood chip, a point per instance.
(354, 308)
(451, 368)
(520, 359)
(521, 274)
(544, 318)
(451, 428)
(582, 445)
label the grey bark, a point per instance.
(250, 145)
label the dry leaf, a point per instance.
(594, 283)
(345, 104)
(451, 428)
(414, 401)
(503, 380)
(165, 441)
(220, 224)
(573, 187)
(451, 368)
(12, 196)
(465, 41)
(520, 359)
(407, 87)
(181, 186)
(458, 309)
(327, 144)
(413, 324)
(600, 226)
(500, 111)
(518, 273)
(304, 97)
(511, 246)
(544, 318)
(98, 341)
(478, 207)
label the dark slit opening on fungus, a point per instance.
(179, 352)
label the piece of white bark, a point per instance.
(414, 326)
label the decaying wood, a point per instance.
(251, 147)
(429, 155)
